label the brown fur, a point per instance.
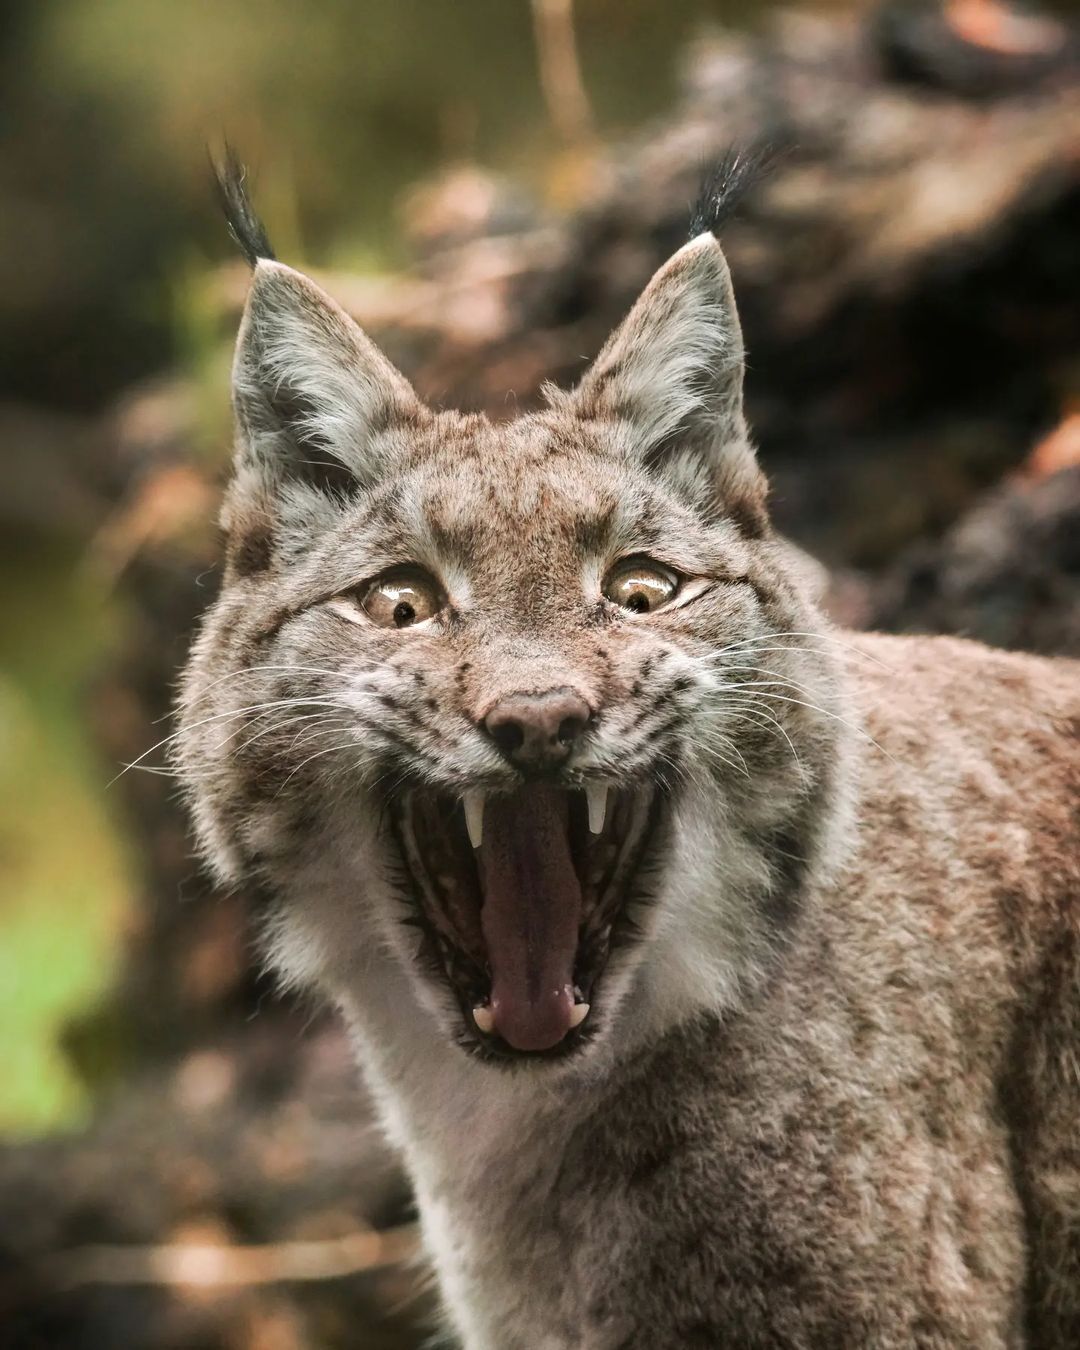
(830, 1088)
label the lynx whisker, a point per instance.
(751, 708)
(843, 721)
(247, 672)
(350, 744)
(818, 636)
(773, 674)
(715, 753)
(216, 717)
(325, 705)
(284, 726)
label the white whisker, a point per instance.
(851, 726)
(216, 717)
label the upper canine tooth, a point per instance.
(596, 796)
(484, 1019)
(474, 816)
(578, 1014)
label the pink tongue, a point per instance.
(530, 916)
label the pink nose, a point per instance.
(538, 731)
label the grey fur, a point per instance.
(828, 1093)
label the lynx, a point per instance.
(717, 974)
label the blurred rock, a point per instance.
(1007, 573)
(976, 48)
(906, 258)
(214, 1206)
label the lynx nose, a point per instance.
(538, 731)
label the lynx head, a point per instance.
(533, 714)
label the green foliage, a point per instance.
(63, 874)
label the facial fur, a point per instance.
(710, 723)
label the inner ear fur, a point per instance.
(672, 375)
(311, 391)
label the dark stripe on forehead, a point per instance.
(592, 531)
(639, 528)
(457, 541)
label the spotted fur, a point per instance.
(831, 1088)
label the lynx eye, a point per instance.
(640, 585)
(401, 599)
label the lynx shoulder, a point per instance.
(716, 973)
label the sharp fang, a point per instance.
(485, 1019)
(579, 1014)
(474, 816)
(596, 796)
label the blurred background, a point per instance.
(186, 1159)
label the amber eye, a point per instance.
(401, 599)
(640, 585)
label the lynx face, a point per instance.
(533, 711)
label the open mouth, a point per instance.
(521, 897)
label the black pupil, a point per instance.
(637, 602)
(403, 613)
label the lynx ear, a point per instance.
(672, 374)
(311, 391)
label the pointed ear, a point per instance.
(311, 392)
(672, 375)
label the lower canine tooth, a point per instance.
(485, 1019)
(596, 797)
(474, 816)
(579, 1014)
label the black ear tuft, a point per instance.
(244, 225)
(726, 183)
